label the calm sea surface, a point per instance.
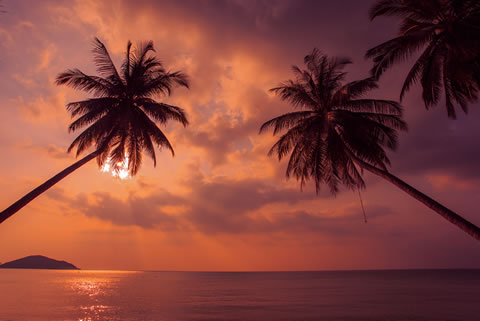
(423, 295)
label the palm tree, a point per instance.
(448, 34)
(336, 133)
(122, 117)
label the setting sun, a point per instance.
(240, 136)
(120, 169)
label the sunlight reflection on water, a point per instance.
(427, 295)
(88, 287)
(94, 312)
(94, 288)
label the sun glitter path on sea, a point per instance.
(94, 287)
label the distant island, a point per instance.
(38, 262)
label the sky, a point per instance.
(221, 204)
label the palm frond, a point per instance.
(448, 32)
(284, 145)
(409, 25)
(295, 93)
(431, 79)
(155, 133)
(353, 90)
(134, 151)
(142, 50)
(148, 147)
(86, 119)
(336, 128)
(163, 112)
(118, 119)
(127, 63)
(117, 153)
(76, 79)
(162, 83)
(396, 50)
(417, 69)
(93, 104)
(104, 63)
(95, 134)
(285, 121)
(372, 105)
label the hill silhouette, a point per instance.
(38, 262)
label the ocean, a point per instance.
(403, 295)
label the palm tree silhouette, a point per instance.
(122, 118)
(448, 32)
(336, 133)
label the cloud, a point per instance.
(43, 109)
(146, 212)
(50, 150)
(438, 145)
(222, 206)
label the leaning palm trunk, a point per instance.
(122, 117)
(446, 213)
(336, 127)
(15, 207)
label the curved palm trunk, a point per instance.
(446, 213)
(15, 207)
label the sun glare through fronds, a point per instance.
(119, 169)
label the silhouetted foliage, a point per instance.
(335, 130)
(448, 34)
(334, 124)
(122, 115)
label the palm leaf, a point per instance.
(117, 120)
(76, 79)
(335, 128)
(104, 63)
